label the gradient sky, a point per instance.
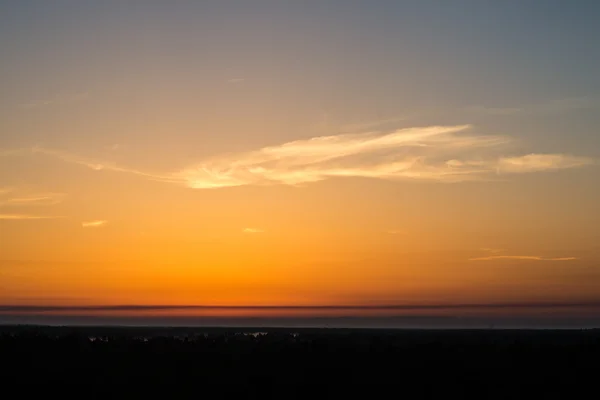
(248, 153)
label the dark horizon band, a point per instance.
(385, 307)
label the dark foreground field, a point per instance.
(214, 363)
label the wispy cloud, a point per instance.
(18, 217)
(19, 198)
(94, 224)
(34, 199)
(235, 80)
(553, 106)
(252, 230)
(495, 256)
(540, 162)
(492, 250)
(434, 153)
(71, 158)
(529, 258)
(368, 125)
(96, 165)
(399, 154)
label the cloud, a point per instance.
(362, 126)
(401, 154)
(492, 250)
(252, 230)
(540, 162)
(34, 199)
(94, 224)
(26, 217)
(67, 157)
(508, 257)
(434, 153)
(15, 196)
(529, 258)
(554, 106)
(96, 165)
(235, 80)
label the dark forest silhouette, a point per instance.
(306, 363)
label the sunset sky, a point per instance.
(316, 153)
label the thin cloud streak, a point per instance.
(370, 124)
(528, 258)
(18, 217)
(94, 224)
(96, 165)
(34, 199)
(253, 230)
(493, 250)
(548, 107)
(540, 162)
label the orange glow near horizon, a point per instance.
(213, 155)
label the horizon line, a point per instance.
(27, 308)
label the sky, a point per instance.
(271, 158)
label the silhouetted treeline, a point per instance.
(193, 363)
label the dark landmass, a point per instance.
(111, 362)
